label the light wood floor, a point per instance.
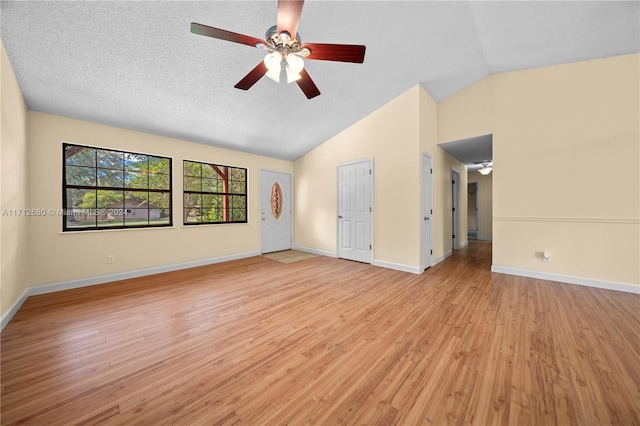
(325, 341)
(289, 256)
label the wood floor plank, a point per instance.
(325, 341)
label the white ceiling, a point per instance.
(135, 64)
(472, 152)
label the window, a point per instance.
(214, 193)
(108, 189)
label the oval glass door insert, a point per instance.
(276, 201)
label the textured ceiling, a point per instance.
(135, 64)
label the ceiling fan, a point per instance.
(285, 48)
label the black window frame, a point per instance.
(69, 212)
(229, 210)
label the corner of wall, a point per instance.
(389, 135)
(13, 184)
(561, 119)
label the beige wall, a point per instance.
(58, 257)
(390, 137)
(468, 113)
(484, 202)
(443, 163)
(395, 136)
(566, 151)
(13, 193)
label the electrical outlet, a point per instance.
(111, 259)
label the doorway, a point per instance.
(355, 210)
(275, 211)
(473, 212)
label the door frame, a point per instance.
(371, 183)
(455, 205)
(261, 206)
(427, 161)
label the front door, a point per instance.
(355, 188)
(275, 211)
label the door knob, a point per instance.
(426, 218)
(339, 217)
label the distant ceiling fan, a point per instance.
(285, 48)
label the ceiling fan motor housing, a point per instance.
(283, 43)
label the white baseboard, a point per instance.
(102, 279)
(379, 263)
(589, 282)
(397, 267)
(481, 238)
(315, 251)
(463, 245)
(13, 309)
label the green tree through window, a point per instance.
(214, 193)
(107, 189)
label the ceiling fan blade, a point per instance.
(253, 77)
(224, 35)
(307, 85)
(336, 52)
(289, 15)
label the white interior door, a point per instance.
(355, 189)
(427, 212)
(275, 211)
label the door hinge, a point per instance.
(431, 211)
(370, 247)
(431, 251)
(431, 171)
(370, 210)
(454, 209)
(453, 236)
(453, 182)
(370, 172)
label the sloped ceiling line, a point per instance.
(136, 65)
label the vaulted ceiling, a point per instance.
(135, 64)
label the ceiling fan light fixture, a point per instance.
(273, 75)
(295, 65)
(291, 77)
(485, 170)
(273, 62)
